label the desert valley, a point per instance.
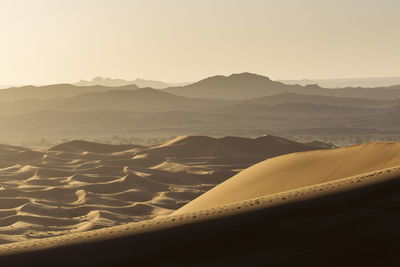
(199, 133)
(80, 186)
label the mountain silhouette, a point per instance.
(234, 87)
(349, 82)
(248, 85)
(141, 99)
(120, 82)
(51, 91)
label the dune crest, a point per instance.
(298, 170)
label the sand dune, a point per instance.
(298, 170)
(351, 221)
(82, 146)
(230, 147)
(333, 207)
(108, 208)
(79, 185)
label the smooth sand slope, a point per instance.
(298, 170)
(79, 186)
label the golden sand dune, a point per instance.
(352, 221)
(297, 170)
(79, 186)
(336, 207)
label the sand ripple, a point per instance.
(79, 186)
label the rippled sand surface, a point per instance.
(79, 185)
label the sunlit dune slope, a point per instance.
(298, 170)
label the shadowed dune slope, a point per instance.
(231, 147)
(298, 170)
(81, 146)
(5, 148)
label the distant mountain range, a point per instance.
(350, 82)
(120, 82)
(248, 85)
(233, 87)
(240, 104)
(324, 83)
(51, 91)
(9, 86)
(241, 86)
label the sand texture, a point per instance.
(79, 186)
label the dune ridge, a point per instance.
(298, 170)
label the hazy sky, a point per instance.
(51, 41)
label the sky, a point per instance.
(57, 41)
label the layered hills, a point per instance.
(52, 91)
(247, 85)
(121, 82)
(349, 82)
(240, 104)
